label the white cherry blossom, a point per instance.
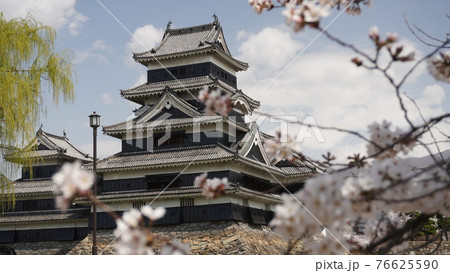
(153, 214)
(374, 33)
(290, 218)
(314, 12)
(211, 188)
(132, 217)
(69, 181)
(130, 239)
(439, 66)
(215, 101)
(281, 150)
(383, 137)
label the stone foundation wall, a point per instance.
(43, 248)
(226, 238)
(204, 238)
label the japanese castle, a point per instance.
(169, 141)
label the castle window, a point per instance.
(187, 202)
(138, 204)
(175, 139)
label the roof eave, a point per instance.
(238, 65)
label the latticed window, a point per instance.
(138, 204)
(176, 138)
(187, 202)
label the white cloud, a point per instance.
(327, 86)
(241, 34)
(432, 95)
(269, 50)
(143, 39)
(106, 99)
(94, 52)
(430, 104)
(140, 80)
(56, 13)
(100, 45)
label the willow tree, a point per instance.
(29, 66)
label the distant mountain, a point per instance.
(425, 161)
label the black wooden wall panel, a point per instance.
(7, 236)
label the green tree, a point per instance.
(28, 65)
(429, 228)
(443, 223)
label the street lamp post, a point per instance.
(94, 122)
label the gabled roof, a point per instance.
(53, 146)
(253, 142)
(189, 41)
(247, 104)
(145, 120)
(138, 93)
(168, 100)
(248, 143)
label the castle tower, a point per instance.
(34, 217)
(169, 141)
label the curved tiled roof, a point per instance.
(190, 40)
(43, 215)
(33, 187)
(174, 123)
(156, 88)
(189, 191)
(55, 146)
(296, 170)
(163, 157)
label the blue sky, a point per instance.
(321, 82)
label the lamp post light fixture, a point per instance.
(94, 122)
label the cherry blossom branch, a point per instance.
(375, 66)
(417, 36)
(105, 207)
(419, 62)
(412, 198)
(413, 133)
(428, 128)
(347, 45)
(317, 126)
(396, 237)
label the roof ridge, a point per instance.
(55, 136)
(66, 140)
(163, 82)
(47, 139)
(191, 28)
(198, 147)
